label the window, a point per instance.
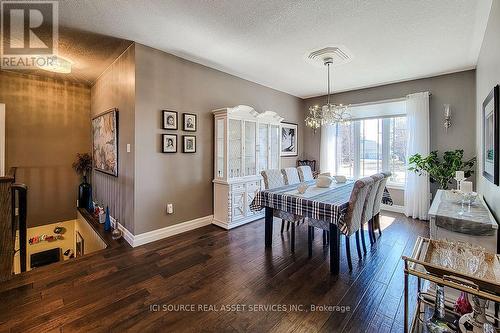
(366, 146)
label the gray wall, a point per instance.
(46, 125)
(115, 88)
(487, 76)
(164, 81)
(457, 89)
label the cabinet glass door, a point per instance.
(263, 146)
(274, 150)
(219, 168)
(235, 148)
(250, 144)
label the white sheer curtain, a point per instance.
(417, 187)
(328, 149)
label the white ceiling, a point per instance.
(266, 41)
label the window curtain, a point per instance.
(328, 149)
(417, 187)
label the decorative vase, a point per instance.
(107, 221)
(84, 194)
(462, 304)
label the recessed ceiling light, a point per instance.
(57, 65)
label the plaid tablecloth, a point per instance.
(329, 205)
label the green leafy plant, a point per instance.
(442, 171)
(83, 164)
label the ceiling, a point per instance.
(90, 53)
(267, 41)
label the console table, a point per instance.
(477, 226)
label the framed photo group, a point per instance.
(170, 121)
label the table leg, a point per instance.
(334, 249)
(309, 241)
(293, 237)
(269, 227)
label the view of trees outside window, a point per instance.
(397, 164)
(365, 147)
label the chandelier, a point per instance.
(329, 113)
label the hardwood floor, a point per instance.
(134, 289)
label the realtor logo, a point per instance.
(29, 34)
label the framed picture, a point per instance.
(188, 144)
(189, 122)
(491, 136)
(169, 120)
(105, 142)
(289, 139)
(79, 245)
(169, 143)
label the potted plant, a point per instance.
(442, 171)
(83, 166)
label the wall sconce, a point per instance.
(447, 117)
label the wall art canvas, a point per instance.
(105, 142)
(491, 136)
(169, 120)
(289, 132)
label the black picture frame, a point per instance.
(165, 115)
(113, 112)
(292, 149)
(490, 137)
(184, 148)
(165, 148)
(185, 125)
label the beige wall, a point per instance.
(164, 81)
(487, 76)
(115, 88)
(46, 125)
(456, 89)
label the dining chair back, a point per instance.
(355, 211)
(305, 173)
(273, 178)
(380, 193)
(291, 176)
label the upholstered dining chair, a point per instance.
(309, 163)
(305, 173)
(291, 176)
(368, 210)
(274, 178)
(378, 202)
(353, 217)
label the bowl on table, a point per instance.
(324, 181)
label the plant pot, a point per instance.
(84, 194)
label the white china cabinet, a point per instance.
(246, 142)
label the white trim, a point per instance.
(154, 235)
(393, 208)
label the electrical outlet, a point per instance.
(170, 208)
(128, 147)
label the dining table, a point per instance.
(325, 204)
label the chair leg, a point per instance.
(313, 232)
(378, 225)
(348, 252)
(282, 225)
(358, 247)
(324, 237)
(370, 231)
(309, 241)
(287, 225)
(363, 239)
(293, 237)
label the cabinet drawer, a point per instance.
(238, 187)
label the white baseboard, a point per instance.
(154, 235)
(225, 225)
(393, 208)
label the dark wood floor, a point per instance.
(114, 290)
